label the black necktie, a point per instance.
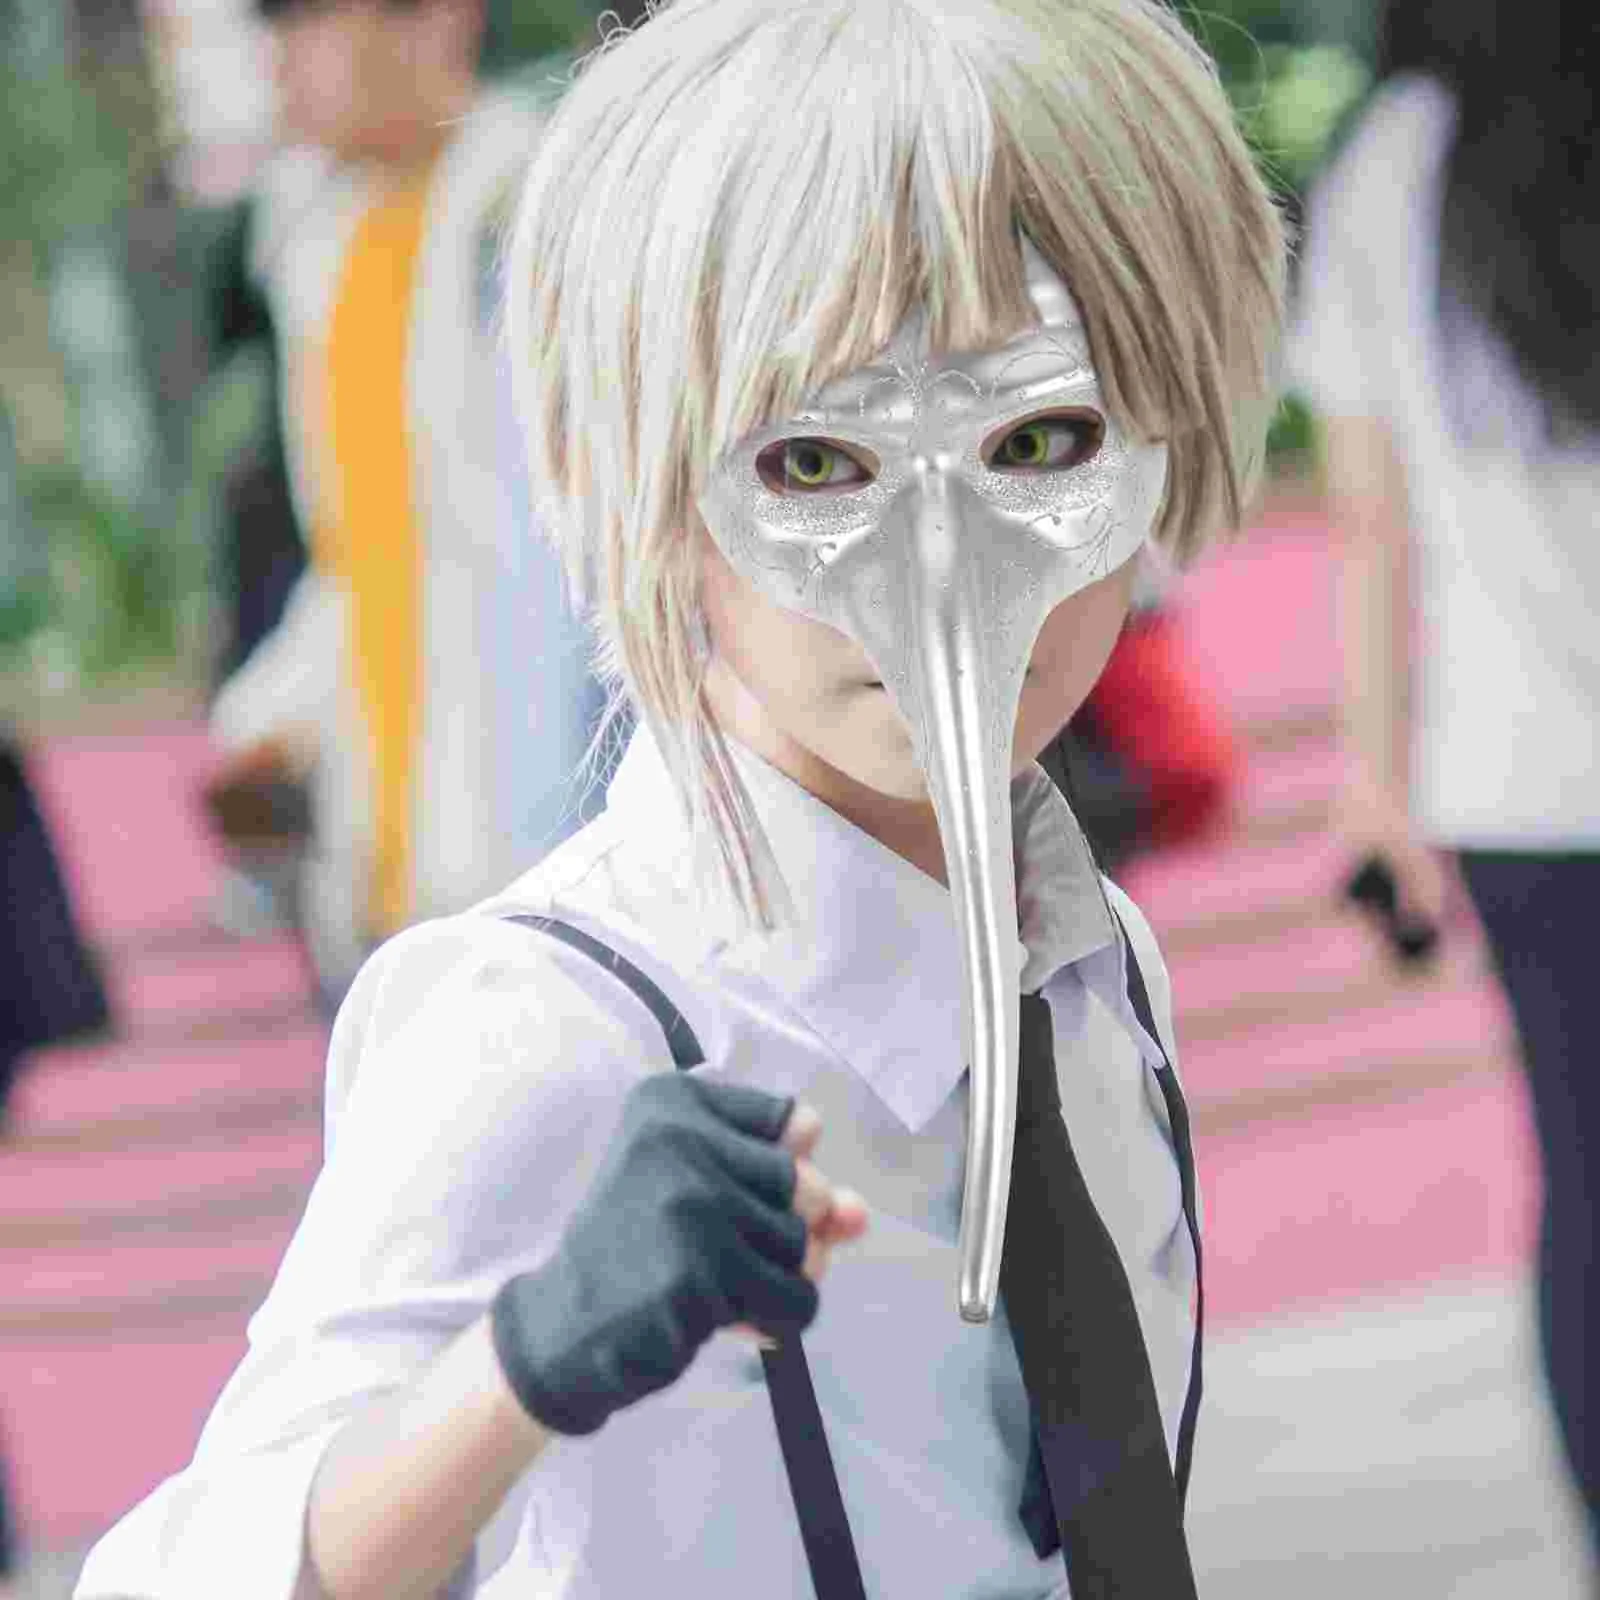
(1077, 1335)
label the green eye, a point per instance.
(1050, 444)
(811, 466)
(808, 462)
(1027, 447)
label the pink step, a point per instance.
(1231, 882)
(1364, 1199)
(124, 812)
(91, 1426)
(61, 1092)
(143, 1273)
(42, 1189)
(1312, 965)
(1462, 1021)
(1276, 783)
(224, 979)
(1258, 623)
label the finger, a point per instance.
(813, 1194)
(763, 1170)
(1425, 889)
(751, 1111)
(818, 1254)
(846, 1220)
(803, 1130)
(779, 1235)
(771, 1298)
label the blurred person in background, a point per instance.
(1448, 337)
(427, 673)
(266, 823)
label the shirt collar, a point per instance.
(868, 954)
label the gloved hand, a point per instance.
(686, 1229)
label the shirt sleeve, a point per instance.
(473, 1083)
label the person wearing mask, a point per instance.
(1447, 335)
(830, 327)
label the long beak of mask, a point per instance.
(943, 568)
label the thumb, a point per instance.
(1420, 881)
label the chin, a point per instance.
(895, 781)
(864, 739)
(883, 764)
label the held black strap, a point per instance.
(813, 1483)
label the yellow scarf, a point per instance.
(370, 538)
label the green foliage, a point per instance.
(72, 157)
(519, 32)
(1291, 86)
(1293, 104)
(1292, 77)
(1292, 436)
(111, 578)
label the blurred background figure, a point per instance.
(1450, 338)
(436, 772)
(262, 814)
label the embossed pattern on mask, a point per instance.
(942, 570)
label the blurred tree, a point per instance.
(1294, 70)
(78, 136)
(24, 559)
(519, 32)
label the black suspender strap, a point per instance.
(813, 1484)
(685, 1048)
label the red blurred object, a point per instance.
(1149, 711)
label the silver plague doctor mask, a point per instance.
(979, 492)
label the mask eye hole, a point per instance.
(1053, 443)
(805, 466)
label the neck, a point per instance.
(910, 828)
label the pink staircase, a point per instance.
(1357, 1131)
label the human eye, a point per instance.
(811, 466)
(1048, 444)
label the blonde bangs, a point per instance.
(822, 233)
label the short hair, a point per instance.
(740, 199)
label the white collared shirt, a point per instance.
(474, 1081)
